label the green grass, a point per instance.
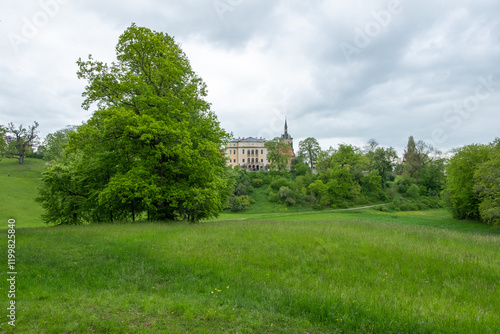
(17, 192)
(271, 269)
(317, 272)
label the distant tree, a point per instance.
(370, 149)
(325, 161)
(417, 156)
(310, 149)
(410, 157)
(22, 139)
(55, 143)
(460, 195)
(279, 154)
(3, 141)
(383, 161)
(347, 155)
(432, 177)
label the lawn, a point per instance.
(318, 272)
(271, 269)
(18, 188)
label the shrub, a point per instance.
(413, 191)
(257, 183)
(238, 203)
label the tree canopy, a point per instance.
(22, 140)
(462, 199)
(153, 146)
(279, 153)
(309, 148)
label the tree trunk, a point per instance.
(21, 158)
(418, 175)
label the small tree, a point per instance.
(417, 156)
(279, 153)
(309, 148)
(22, 139)
(3, 141)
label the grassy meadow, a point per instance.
(18, 191)
(264, 271)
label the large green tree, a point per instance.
(153, 147)
(487, 186)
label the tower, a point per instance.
(285, 137)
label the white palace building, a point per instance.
(250, 153)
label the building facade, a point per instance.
(251, 153)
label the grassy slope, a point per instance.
(271, 269)
(326, 272)
(17, 192)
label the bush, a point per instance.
(238, 203)
(413, 191)
(257, 183)
(278, 183)
(287, 196)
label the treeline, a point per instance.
(348, 176)
(472, 188)
(468, 183)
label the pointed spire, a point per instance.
(286, 129)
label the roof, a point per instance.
(248, 140)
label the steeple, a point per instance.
(285, 135)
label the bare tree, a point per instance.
(22, 139)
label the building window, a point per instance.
(243, 151)
(261, 151)
(261, 160)
(243, 160)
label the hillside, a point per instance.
(325, 272)
(17, 192)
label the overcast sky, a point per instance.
(340, 71)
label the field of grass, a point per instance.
(271, 269)
(17, 192)
(324, 272)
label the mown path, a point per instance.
(255, 215)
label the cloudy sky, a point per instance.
(340, 71)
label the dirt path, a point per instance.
(256, 215)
